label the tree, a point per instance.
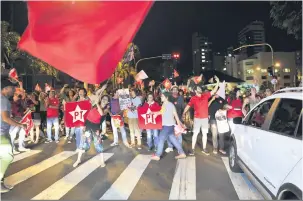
(11, 54)
(287, 15)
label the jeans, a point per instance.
(200, 125)
(214, 131)
(13, 133)
(50, 122)
(115, 133)
(6, 154)
(167, 132)
(78, 132)
(152, 133)
(70, 132)
(179, 138)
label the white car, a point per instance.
(267, 145)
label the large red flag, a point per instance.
(85, 39)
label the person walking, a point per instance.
(6, 154)
(52, 105)
(169, 119)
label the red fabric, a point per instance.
(13, 74)
(76, 113)
(27, 119)
(200, 105)
(147, 120)
(90, 36)
(94, 116)
(176, 74)
(236, 110)
(167, 84)
(52, 112)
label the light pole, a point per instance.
(260, 44)
(148, 58)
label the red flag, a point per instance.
(197, 79)
(147, 120)
(13, 74)
(176, 74)
(167, 84)
(38, 88)
(27, 119)
(117, 120)
(90, 36)
(76, 113)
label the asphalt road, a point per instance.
(47, 173)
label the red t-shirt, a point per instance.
(52, 112)
(200, 105)
(236, 110)
(94, 116)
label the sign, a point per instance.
(76, 113)
(118, 122)
(124, 98)
(274, 81)
(166, 56)
(147, 120)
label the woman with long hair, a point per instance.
(152, 134)
(169, 118)
(69, 132)
(92, 132)
(35, 107)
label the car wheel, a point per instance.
(233, 159)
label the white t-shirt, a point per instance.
(221, 119)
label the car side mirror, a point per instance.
(237, 120)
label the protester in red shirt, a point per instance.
(52, 113)
(200, 104)
(235, 101)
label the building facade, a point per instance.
(218, 62)
(254, 69)
(253, 33)
(202, 53)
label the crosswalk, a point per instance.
(120, 179)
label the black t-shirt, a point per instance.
(216, 105)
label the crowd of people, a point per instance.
(199, 110)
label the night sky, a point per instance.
(169, 27)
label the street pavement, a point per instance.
(47, 173)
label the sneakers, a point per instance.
(215, 151)
(57, 141)
(48, 141)
(15, 152)
(192, 152)
(180, 156)
(222, 151)
(22, 149)
(206, 152)
(114, 144)
(102, 165)
(155, 158)
(76, 163)
(167, 150)
(5, 188)
(69, 141)
(139, 147)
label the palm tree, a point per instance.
(10, 52)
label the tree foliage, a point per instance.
(11, 54)
(287, 15)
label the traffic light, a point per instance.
(270, 71)
(176, 56)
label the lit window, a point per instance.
(205, 43)
(263, 70)
(276, 70)
(229, 55)
(203, 50)
(224, 69)
(203, 57)
(203, 68)
(250, 71)
(203, 53)
(203, 60)
(286, 70)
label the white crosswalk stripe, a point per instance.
(244, 191)
(183, 177)
(61, 187)
(24, 155)
(184, 183)
(36, 169)
(125, 184)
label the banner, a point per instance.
(76, 113)
(27, 119)
(147, 120)
(124, 98)
(118, 122)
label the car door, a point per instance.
(278, 148)
(252, 124)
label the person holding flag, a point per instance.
(6, 154)
(52, 106)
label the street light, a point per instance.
(277, 64)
